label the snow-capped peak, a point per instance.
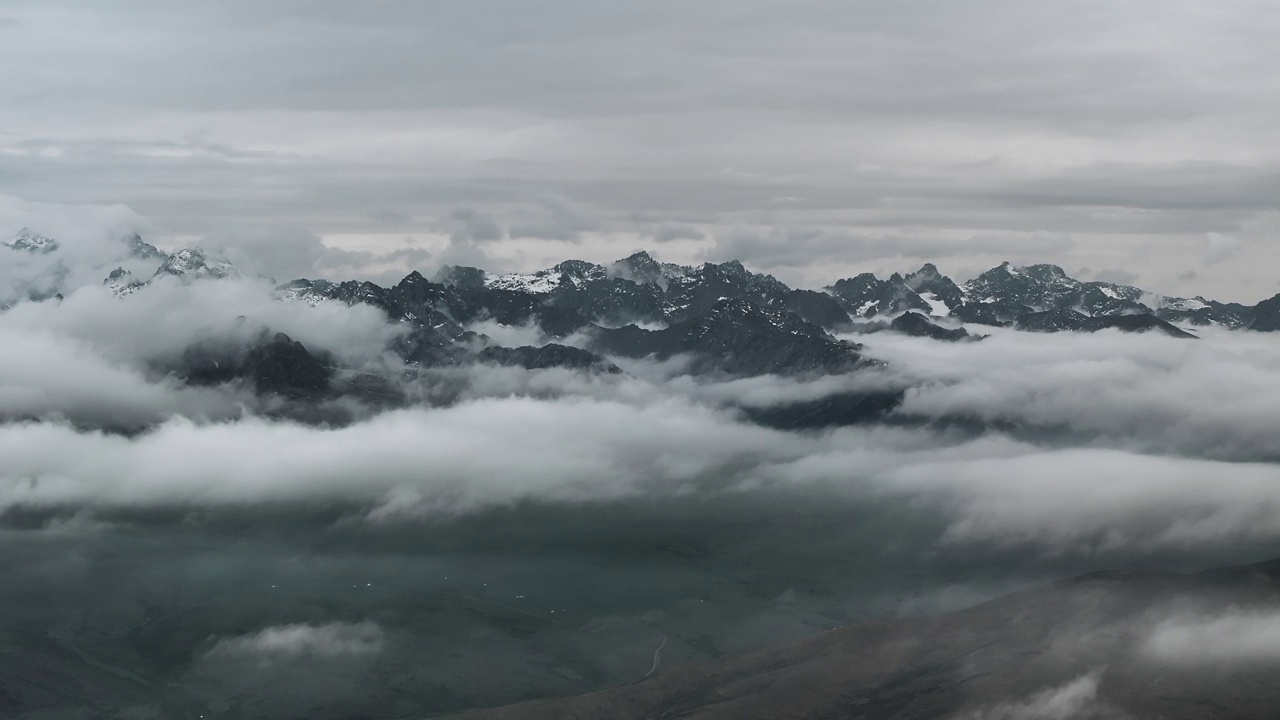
(121, 283)
(311, 292)
(32, 242)
(196, 263)
(539, 283)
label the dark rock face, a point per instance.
(927, 280)
(1199, 311)
(548, 356)
(836, 410)
(818, 308)
(732, 320)
(738, 338)
(592, 293)
(1139, 323)
(1060, 320)
(1010, 291)
(1004, 294)
(371, 389)
(1265, 316)
(867, 296)
(639, 268)
(694, 294)
(279, 366)
(914, 323)
(141, 249)
(1098, 299)
(1052, 321)
(729, 319)
(284, 367)
(979, 314)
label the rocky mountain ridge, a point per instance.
(719, 318)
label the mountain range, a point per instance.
(723, 318)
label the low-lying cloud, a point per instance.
(1218, 397)
(501, 451)
(1237, 635)
(289, 642)
(1068, 442)
(1075, 700)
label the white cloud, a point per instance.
(287, 642)
(1219, 247)
(489, 452)
(1218, 397)
(44, 374)
(1235, 635)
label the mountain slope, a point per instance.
(1081, 648)
(738, 338)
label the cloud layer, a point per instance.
(860, 136)
(1068, 443)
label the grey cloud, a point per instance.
(45, 375)
(1219, 247)
(576, 450)
(472, 237)
(1234, 635)
(666, 232)
(161, 321)
(93, 358)
(90, 245)
(284, 253)
(555, 59)
(1133, 501)
(471, 226)
(559, 220)
(803, 247)
(386, 216)
(1115, 432)
(1110, 275)
(1074, 700)
(1136, 124)
(658, 431)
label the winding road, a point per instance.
(657, 657)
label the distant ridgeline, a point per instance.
(724, 318)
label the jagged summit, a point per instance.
(867, 296)
(640, 289)
(31, 242)
(141, 249)
(197, 263)
(1007, 292)
(121, 282)
(639, 267)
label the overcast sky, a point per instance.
(811, 139)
